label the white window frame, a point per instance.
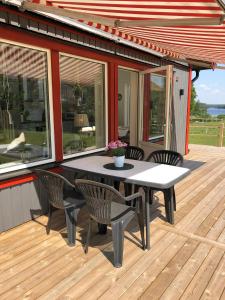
(20, 166)
(68, 156)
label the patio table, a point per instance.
(147, 174)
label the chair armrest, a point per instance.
(133, 196)
(67, 182)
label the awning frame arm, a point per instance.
(115, 23)
(171, 22)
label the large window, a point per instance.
(24, 107)
(83, 105)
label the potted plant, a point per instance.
(118, 152)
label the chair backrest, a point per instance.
(98, 198)
(166, 157)
(54, 184)
(133, 152)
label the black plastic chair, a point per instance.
(136, 153)
(133, 152)
(62, 195)
(106, 206)
(167, 157)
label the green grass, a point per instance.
(203, 140)
(205, 133)
(6, 159)
(38, 138)
(32, 137)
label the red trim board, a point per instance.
(24, 179)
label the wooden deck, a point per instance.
(186, 261)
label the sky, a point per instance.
(210, 86)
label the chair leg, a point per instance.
(71, 221)
(174, 200)
(140, 215)
(118, 241)
(50, 210)
(88, 236)
(168, 198)
(102, 228)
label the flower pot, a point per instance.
(119, 161)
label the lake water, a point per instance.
(213, 111)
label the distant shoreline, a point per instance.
(215, 111)
(220, 106)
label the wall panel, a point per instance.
(179, 110)
(19, 203)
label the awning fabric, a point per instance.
(198, 42)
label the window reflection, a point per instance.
(83, 109)
(127, 105)
(24, 112)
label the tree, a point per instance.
(194, 98)
(197, 108)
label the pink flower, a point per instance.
(120, 144)
(112, 145)
(117, 148)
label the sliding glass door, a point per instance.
(127, 105)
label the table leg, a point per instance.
(117, 185)
(147, 216)
(169, 204)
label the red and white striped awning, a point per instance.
(180, 29)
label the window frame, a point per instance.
(105, 64)
(21, 166)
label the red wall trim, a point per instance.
(15, 34)
(57, 115)
(188, 111)
(24, 179)
(111, 101)
(16, 181)
(46, 21)
(58, 25)
(29, 38)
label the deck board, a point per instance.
(186, 260)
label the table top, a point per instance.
(144, 173)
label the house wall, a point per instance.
(22, 199)
(179, 110)
(21, 203)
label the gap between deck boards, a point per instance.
(190, 235)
